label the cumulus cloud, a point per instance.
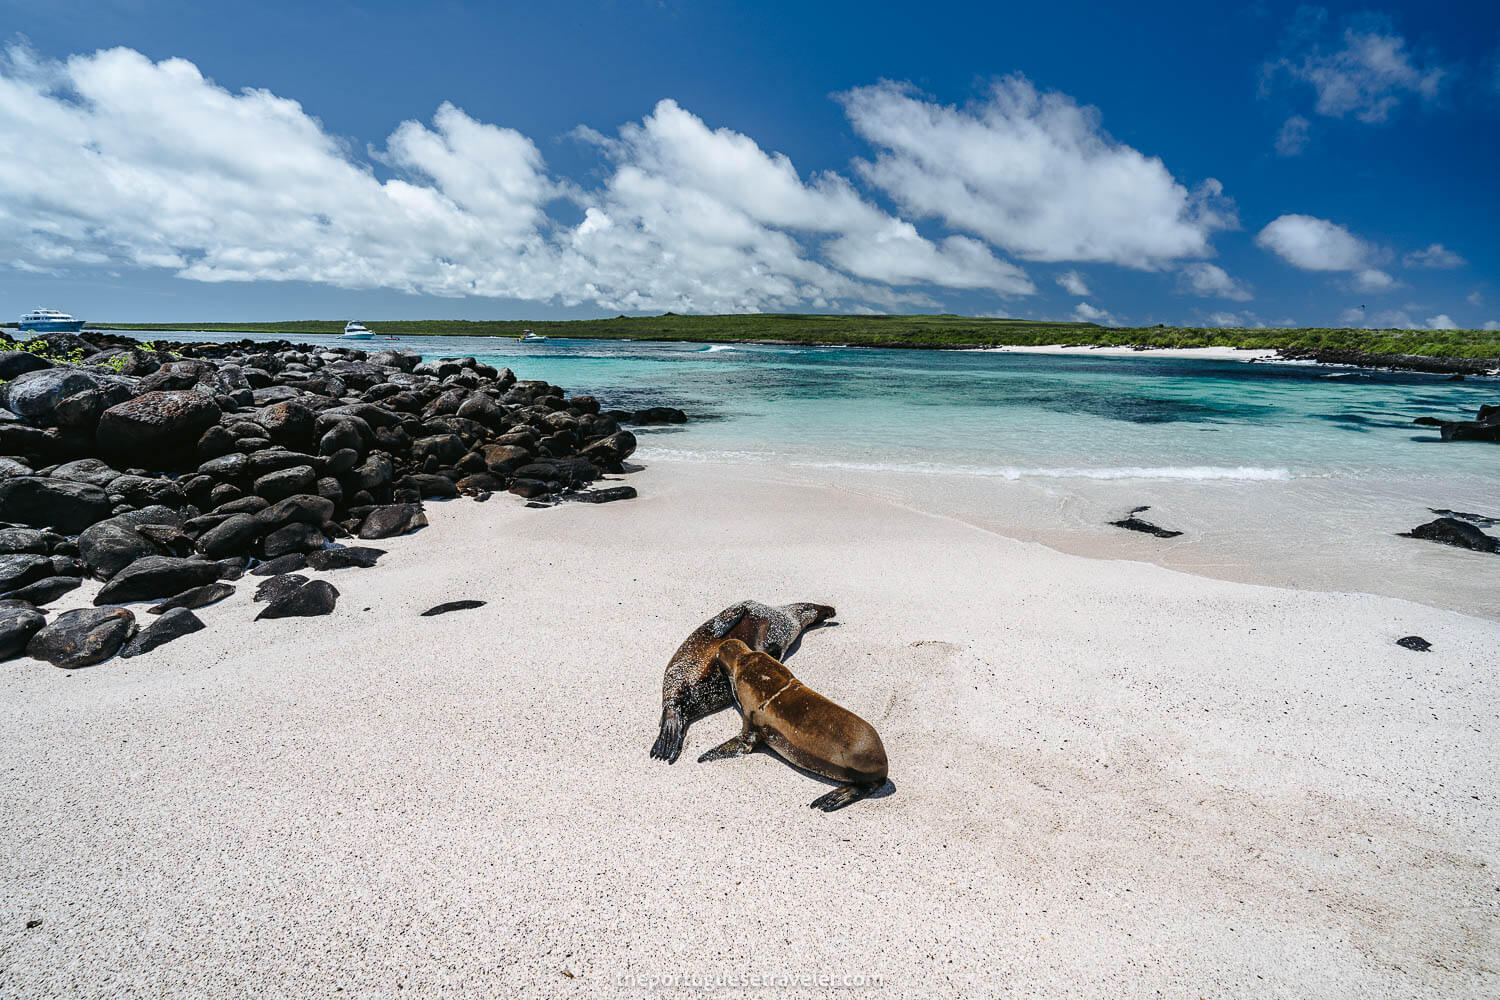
(1493, 324)
(1314, 244)
(1436, 256)
(1396, 319)
(1366, 76)
(1441, 322)
(114, 159)
(1211, 281)
(1085, 313)
(1073, 283)
(1475, 297)
(1033, 173)
(1292, 138)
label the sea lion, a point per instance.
(801, 725)
(695, 685)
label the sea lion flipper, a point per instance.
(739, 746)
(668, 746)
(728, 619)
(840, 797)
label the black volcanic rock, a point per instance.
(198, 597)
(1451, 531)
(173, 624)
(443, 609)
(156, 576)
(308, 601)
(83, 637)
(1132, 523)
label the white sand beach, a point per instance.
(1200, 353)
(1110, 779)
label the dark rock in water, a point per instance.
(1451, 531)
(52, 503)
(198, 597)
(173, 624)
(1470, 430)
(21, 568)
(311, 600)
(658, 415)
(281, 564)
(393, 519)
(354, 556)
(443, 609)
(1415, 643)
(156, 576)
(1133, 523)
(531, 488)
(83, 637)
(160, 429)
(294, 537)
(46, 590)
(17, 626)
(277, 586)
(232, 535)
(621, 493)
(31, 540)
(1483, 520)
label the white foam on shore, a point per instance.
(1191, 473)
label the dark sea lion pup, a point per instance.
(695, 685)
(800, 725)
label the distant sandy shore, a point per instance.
(1110, 779)
(1208, 353)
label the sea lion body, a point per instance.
(801, 725)
(695, 685)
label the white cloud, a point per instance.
(1073, 283)
(1085, 313)
(1292, 138)
(1475, 297)
(1212, 281)
(113, 159)
(1367, 77)
(1435, 256)
(1374, 280)
(1352, 317)
(1441, 322)
(1034, 174)
(1313, 244)
(1493, 324)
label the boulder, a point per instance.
(198, 597)
(156, 576)
(609, 495)
(275, 486)
(1415, 643)
(393, 519)
(430, 486)
(46, 590)
(158, 429)
(289, 424)
(14, 364)
(531, 488)
(20, 568)
(110, 546)
(234, 534)
(173, 624)
(52, 503)
(443, 609)
(281, 564)
(276, 586)
(354, 556)
(304, 508)
(294, 537)
(87, 470)
(83, 637)
(25, 540)
(17, 625)
(310, 600)
(35, 394)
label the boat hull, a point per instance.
(358, 336)
(51, 326)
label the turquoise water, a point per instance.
(1278, 473)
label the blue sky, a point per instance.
(1176, 163)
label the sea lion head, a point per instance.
(812, 614)
(730, 653)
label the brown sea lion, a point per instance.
(695, 685)
(801, 725)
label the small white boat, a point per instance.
(357, 331)
(49, 321)
(527, 337)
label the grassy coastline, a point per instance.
(916, 331)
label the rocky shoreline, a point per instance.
(168, 470)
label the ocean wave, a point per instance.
(1189, 473)
(711, 348)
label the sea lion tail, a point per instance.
(668, 746)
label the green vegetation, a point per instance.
(899, 331)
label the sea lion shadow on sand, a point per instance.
(879, 792)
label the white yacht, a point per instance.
(357, 331)
(527, 337)
(49, 321)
